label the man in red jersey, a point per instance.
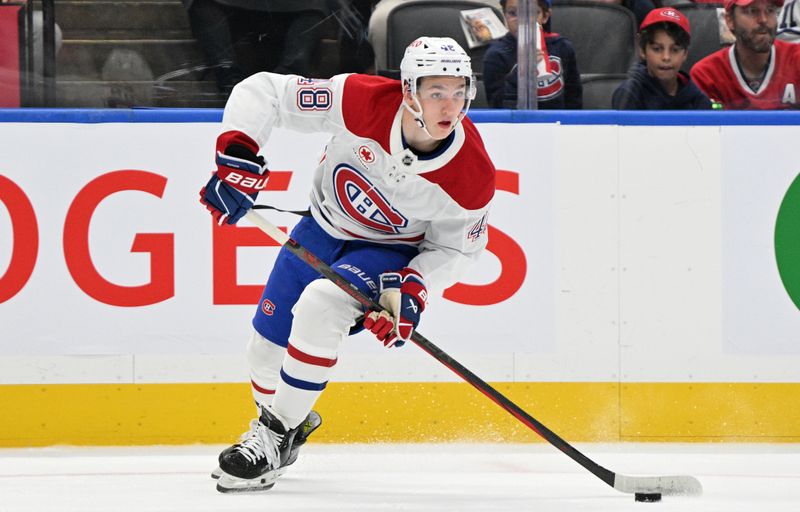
(758, 72)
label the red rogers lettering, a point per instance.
(225, 240)
(160, 245)
(26, 239)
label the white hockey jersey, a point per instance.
(789, 22)
(369, 185)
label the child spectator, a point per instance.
(559, 90)
(657, 83)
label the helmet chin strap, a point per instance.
(417, 114)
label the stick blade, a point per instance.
(680, 485)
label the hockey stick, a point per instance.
(668, 485)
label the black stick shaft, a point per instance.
(440, 355)
(607, 476)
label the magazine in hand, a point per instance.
(726, 37)
(481, 26)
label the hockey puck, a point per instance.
(648, 497)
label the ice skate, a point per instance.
(263, 455)
(253, 423)
(312, 423)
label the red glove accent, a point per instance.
(403, 294)
(215, 214)
(232, 137)
(413, 285)
(382, 326)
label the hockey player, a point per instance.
(757, 72)
(398, 206)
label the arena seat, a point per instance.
(480, 100)
(604, 35)
(598, 89)
(396, 23)
(704, 21)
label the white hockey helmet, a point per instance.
(435, 56)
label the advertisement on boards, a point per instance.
(761, 241)
(105, 248)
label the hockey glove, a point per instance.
(403, 295)
(233, 188)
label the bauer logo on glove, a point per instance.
(241, 174)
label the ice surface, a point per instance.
(418, 477)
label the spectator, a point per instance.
(355, 52)
(210, 24)
(757, 72)
(275, 35)
(789, 22)
(560, 90)
(657, 83)
(285, 33)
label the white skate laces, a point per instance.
(262, 443)
(252, 428)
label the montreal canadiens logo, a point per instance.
(267, 307)
(550, 86)
(360, 200)
(670, 14)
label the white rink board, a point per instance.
(634, 259)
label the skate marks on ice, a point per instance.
(449, 477)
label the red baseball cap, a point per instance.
(670, 15)
(728, 4)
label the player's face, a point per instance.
(754, 25)
(442, 99)
(664, 57)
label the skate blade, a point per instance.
(217, 473)
(230, 484)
